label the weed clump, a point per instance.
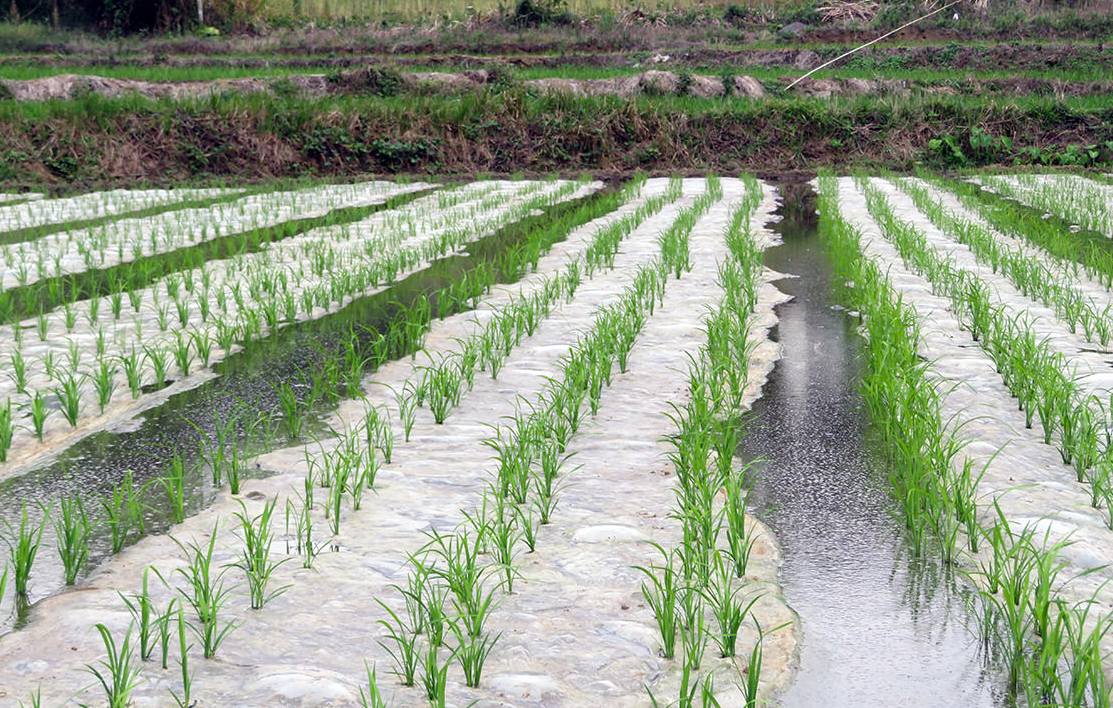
(381, 81)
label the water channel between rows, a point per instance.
(880, 628)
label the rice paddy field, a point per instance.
(552, 442)
(373, 354)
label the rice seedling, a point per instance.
(174, 484)
(36, 699)
(728, 607)
(662, 594)
(23, 546)
(465, 578)
(740, 538)
(183, 356)
(18, 373)
(164, 628)
(143, 613)
(502, 534)
(404, 652)
(205, 592)
(472, 653)
(434, 677)
(203, 345)
(157, 356)
(104, 382)
(751, 676)
(693, 626)
(69, 396)
(72, 531)
(7, 429)
(118, 674)
(303, 527)
(255, 559)
(183, 701)
(117, 508)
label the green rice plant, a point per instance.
(174, 484)
(183, 356)
(18, 373)
(727, 605)
(373, 698)
(143, 612)
(133, 370)
(442, 384)
(740, 537)
(693, 627)
(404, 651)
(205, 592)
(42, 326)
(354, 364)
(183, 701)
(291, 412)
(502, 534)
(69, 316)
(69, 395)
(157, 356)
(104, 382)
(751, 676)
(472, 599)
(472, 653)
(116, 303)
(162, 316)
(687, 690)
(72, 532)
(302, 518)
(255, 557)
(203, 345)
(662, 594)
(23, 546)
(7, 429)
(123, 511)
(36, 699)
(164, 628)
(118, 674)
(434, 677)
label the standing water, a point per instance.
(880, 628)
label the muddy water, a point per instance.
(880, 628)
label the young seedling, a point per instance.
(255, 559)
(404, 652)
(662, 593)
(118, 673)
(143, 612)
(206, 593)
(23, 546)
(72, 533)
(183, 701)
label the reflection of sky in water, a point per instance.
(877, 632)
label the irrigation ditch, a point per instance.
(881, 624)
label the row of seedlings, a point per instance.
(105, 245)
(457, 578)
(1051, 648)
(700, 592)
(213, 308)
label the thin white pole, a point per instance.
(872, 41)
